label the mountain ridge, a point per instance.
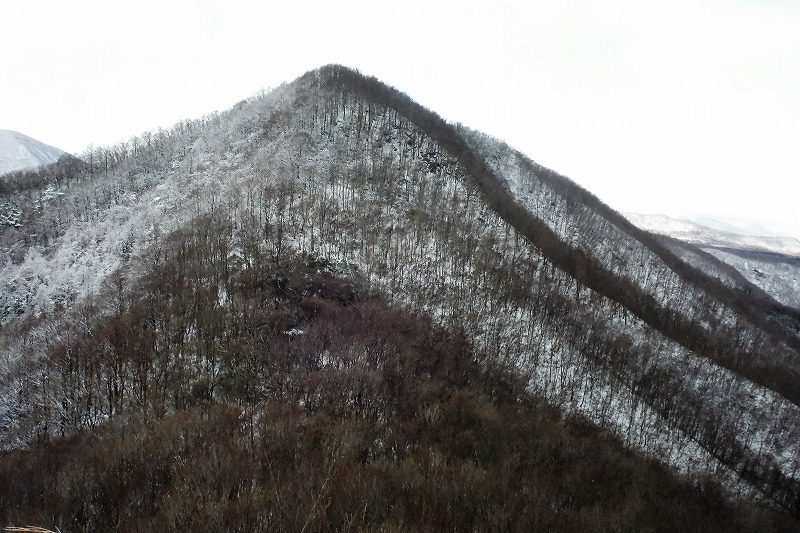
(509, 207)
(468, 231)
(705, 235)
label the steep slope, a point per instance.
(603, 250)
(776, 274)
(20, 152)
(354, 177)
(332, 412)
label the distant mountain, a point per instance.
(770, 263)
(20, 152)
(704, 235)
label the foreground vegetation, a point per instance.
(313, 406)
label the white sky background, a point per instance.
(687, 108)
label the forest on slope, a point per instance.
(301, 402)
(340, 174)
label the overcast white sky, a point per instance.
(688, 107)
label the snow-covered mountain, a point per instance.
(20, 152)
(688, 231)
(342, 175)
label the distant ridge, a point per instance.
(20, 152)
(703, 235)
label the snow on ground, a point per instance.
(778, 276)
(561, 374)
(599, 236)
(423, 275)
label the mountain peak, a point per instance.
(187, 269)
(20, 152)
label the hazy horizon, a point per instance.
(691, 107)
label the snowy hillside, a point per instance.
(771, 263)
(20, 152)
(342, 174)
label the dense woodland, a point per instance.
(301, 403)
(328, 307)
